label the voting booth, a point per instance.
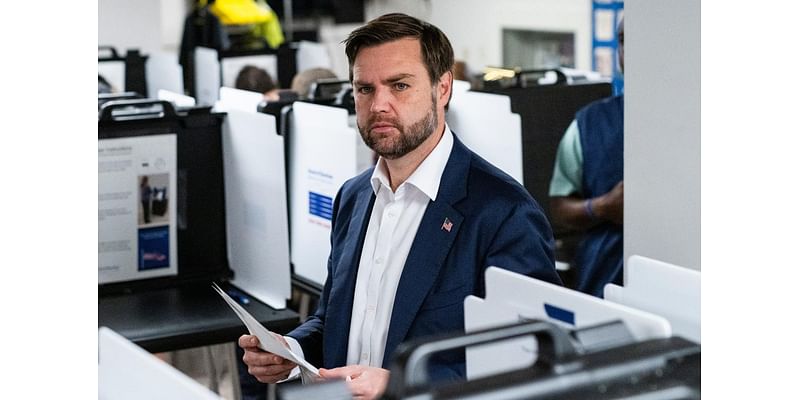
(487, 125)
(163, 72)
(125, 371)
(324, 152)
(546, 111)
(181, 205)
(661, 288)
(256, 206)
(125, 73)
(512, 297)
(111, 67)
(214, 69)
(237, 99)
(570, 365)
(177, 99)
(310, 55)
(530, 339)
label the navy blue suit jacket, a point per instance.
(495, 222)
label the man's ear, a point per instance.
(445, 87)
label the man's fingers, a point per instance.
(271, 370)
(281, 339)
(246, 341)
(361, 389)
(263, 358)
(341, 372)
(264, 366)
(272, 378)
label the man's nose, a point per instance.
(381, 100)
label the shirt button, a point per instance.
(391, 215)
(364, 356)
(378, 260)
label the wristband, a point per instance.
(588, 207)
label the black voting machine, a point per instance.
(182, 311)
(585, 363)
(602, 361)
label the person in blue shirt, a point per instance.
(586, 191)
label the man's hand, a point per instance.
(610, 205)
(265, 366)
(366, 382)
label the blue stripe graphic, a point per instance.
(320, 205)
(560, 314)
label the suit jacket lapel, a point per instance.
(430, 247)
(340, 302)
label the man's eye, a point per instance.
(401, 86)
(365, 90)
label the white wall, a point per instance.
(475, 26)
(157, 25)
(662, 130)
(149, 25)
(332, 35)
(415, 8)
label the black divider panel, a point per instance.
(546, 112)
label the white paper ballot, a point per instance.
(268, 340)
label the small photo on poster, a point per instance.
(153, 199)
(153, 248)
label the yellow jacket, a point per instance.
(250, 12)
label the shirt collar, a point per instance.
(428, 174)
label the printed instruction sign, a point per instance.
(137, 213)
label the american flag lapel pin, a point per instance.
(447, 225)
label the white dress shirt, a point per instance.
(391, 231)
(392, 228)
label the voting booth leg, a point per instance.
(272, 392)
(213, 379)
(233, 367)
(305, 302)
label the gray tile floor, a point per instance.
(213, 367)
(208, 365)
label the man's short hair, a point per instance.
(254, 79)
(437, 53)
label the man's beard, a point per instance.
(409, 138)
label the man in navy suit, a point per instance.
(411, 237)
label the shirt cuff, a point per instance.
(294, 346)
